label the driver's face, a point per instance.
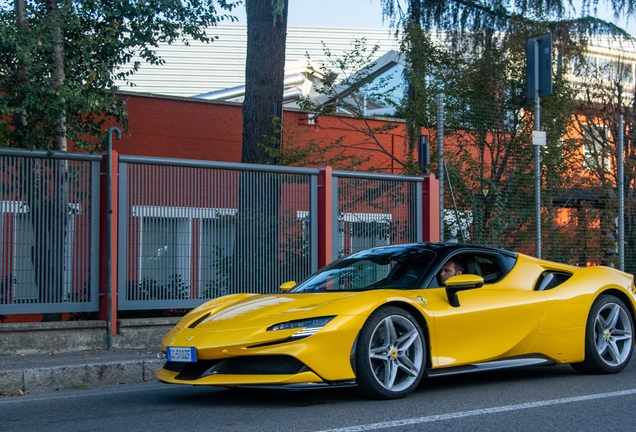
(447, 271)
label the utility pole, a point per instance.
(539, 83)
(440, 161)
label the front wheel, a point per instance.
(609, 339)
(390, 354)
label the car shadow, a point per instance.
(260, 396)
(499, 376)
(273, 397)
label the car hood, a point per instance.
(245, 311)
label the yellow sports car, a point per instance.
(386, 317)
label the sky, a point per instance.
(368, 14)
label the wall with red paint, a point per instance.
(181, 128)
(379, 148)
(196, 129)
(209, 130)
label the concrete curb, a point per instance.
(37, 357)
(79, 376)
(70, 336)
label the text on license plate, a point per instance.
(182, 354)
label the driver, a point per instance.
(450, 268)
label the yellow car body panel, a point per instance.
(478, 330)
(220, 337)
(333, 365)
(234, 380)
(505, 319)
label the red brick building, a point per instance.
(188, 128)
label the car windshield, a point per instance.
(385, 267)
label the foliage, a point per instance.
(292, 263)
(460, 23)
(604, 91)
(149, 289)
(102, 41)
(346, 84)
(13, 388)
(489, 155)
(219, 271)
(292, 149)
(499, 15)
(424, 75)
(490, 121)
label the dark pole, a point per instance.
(537, 150)
(109, 246)
(424, 154)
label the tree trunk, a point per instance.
(19, 118)
(415, 98)
(57, 71)
(47, 190)
(256, 257)
(265, 73)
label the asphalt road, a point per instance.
(539, 399)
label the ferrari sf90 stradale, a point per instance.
(386, 317)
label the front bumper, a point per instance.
(264, 358)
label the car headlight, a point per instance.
(308, 326)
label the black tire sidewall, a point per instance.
(366, 380)
(593, 362)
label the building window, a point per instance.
(18, 248)
(359, 231)
(595, 148)
(217, 239)
(184, 251)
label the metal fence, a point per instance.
(490, 194)
(188, 230)
(374, 210)
(49, 231)
(196, 230)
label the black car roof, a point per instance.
(444, 249)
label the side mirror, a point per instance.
(461, 283)
(287, 285)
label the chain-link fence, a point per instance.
(490, 196)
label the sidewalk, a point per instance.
(77, 370)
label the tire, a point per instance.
(609, 338)
(390, 354)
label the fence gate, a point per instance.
(49, 231)
(196, 230)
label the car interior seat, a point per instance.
(472, 266)
(396, 272)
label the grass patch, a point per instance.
(11, 389)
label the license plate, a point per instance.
(182, 354)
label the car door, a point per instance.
(500, 319)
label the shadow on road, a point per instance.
(282, 397)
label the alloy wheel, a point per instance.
(396, 353)
(613, 334)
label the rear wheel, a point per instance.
(390, 354)
(609, 339)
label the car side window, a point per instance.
(490, 269)
(454, 265)
(486, 265)
(483, 265)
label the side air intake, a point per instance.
(551, 279)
